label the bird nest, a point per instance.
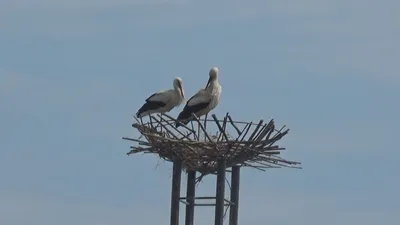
(253, 145)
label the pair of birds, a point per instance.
(205, 100)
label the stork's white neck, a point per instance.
(179, 92)
(176, 88)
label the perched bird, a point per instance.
(163, 101)
(205, 100)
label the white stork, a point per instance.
(205, 100)
(163, 101)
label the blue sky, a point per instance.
(72, 73)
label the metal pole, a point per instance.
(235, 182)
(176, 191)
(220, 197)
(190, 195)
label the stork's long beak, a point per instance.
(180, 88)
(208, 82)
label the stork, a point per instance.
(163, 101)
(205, 100)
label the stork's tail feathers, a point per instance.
(149, 107)
(179, 123)
(183, 118)
(140, 111)
(184, 115)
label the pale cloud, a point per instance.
(18, 209)
(277, 206)
(74, 16)
(357, 36)
(85, 102)
(360, 37)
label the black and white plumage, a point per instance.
(205, 100)
(163, 101)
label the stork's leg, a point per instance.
(205, 125)
(205, 121)
(198, 129)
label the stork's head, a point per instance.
(213, 75)
(178, 86)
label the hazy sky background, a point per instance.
(73, 72)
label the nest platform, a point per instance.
(245, 144)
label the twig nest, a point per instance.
(199, 149)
